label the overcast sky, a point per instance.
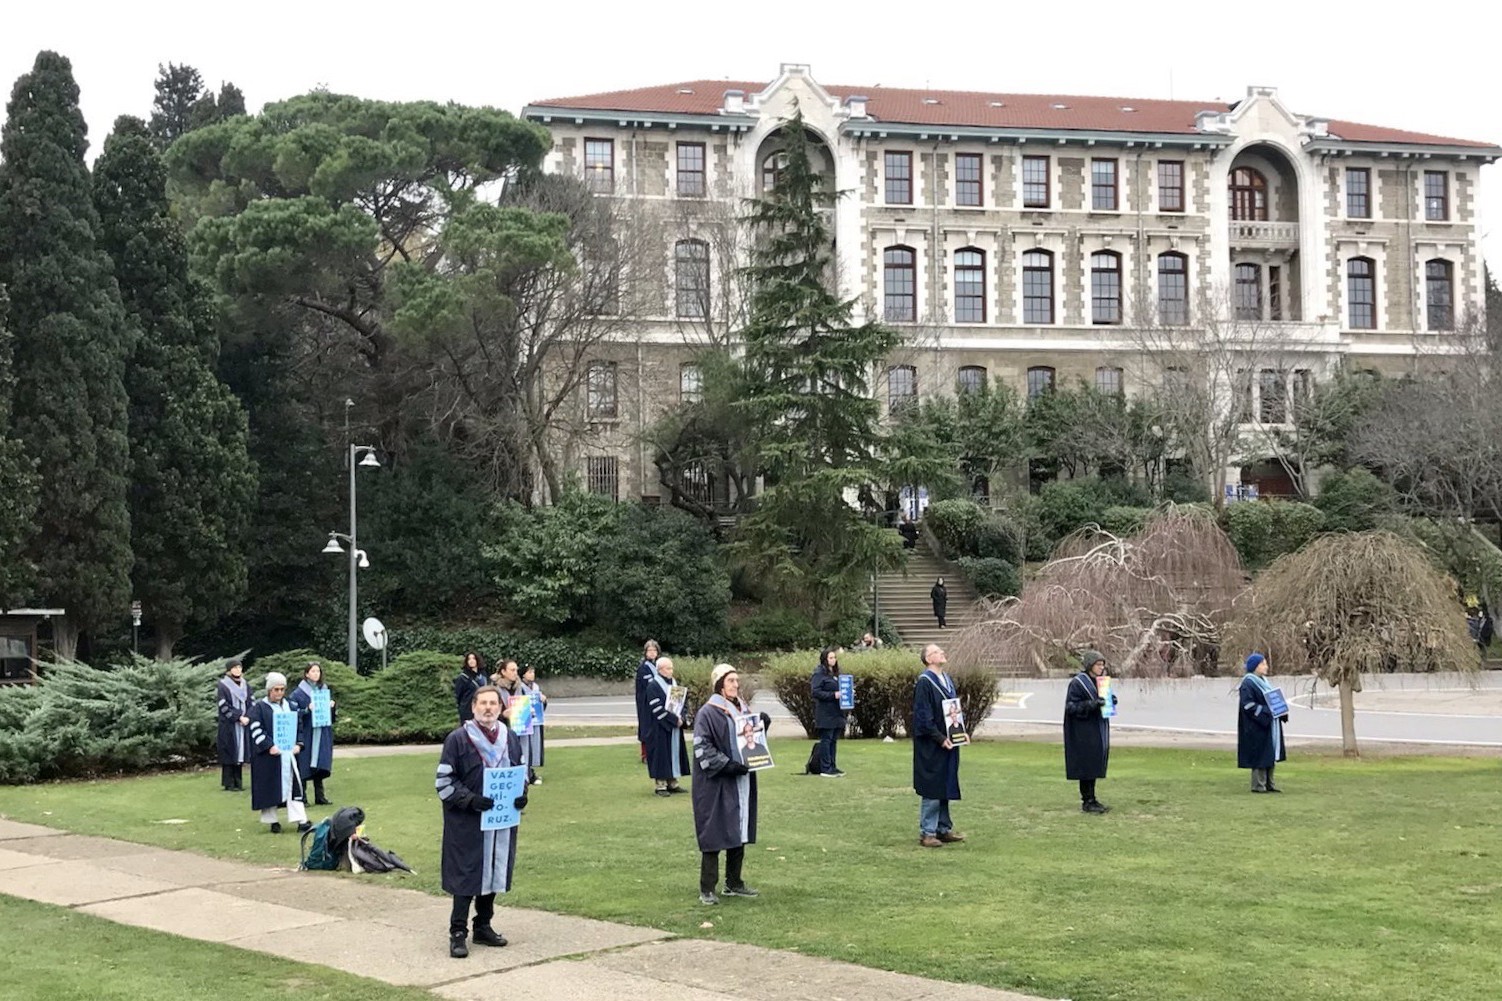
(1373, 64)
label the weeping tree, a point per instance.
(1346, 605)
(1155, 603)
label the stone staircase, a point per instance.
(904, 601)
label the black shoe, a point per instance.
(323, 801)
(740, 891)
(1092, 807)
(663, 792)
(276, 827)
(458, 947)
(486, 935)
(675, 790)
(1273, 789)
(708, 898)
(304, 827)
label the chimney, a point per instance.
(855, 105)
(735, 102)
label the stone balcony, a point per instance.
(1270, 235)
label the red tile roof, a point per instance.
(960, 108)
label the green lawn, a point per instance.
(1366, 880)
(55, 954)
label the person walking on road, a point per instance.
(936, 760)
(1087, 730)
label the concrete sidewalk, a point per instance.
(363, 926)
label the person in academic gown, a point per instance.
(274, 778)
(646, 675)
(316, 759)
(936, 760)
(667, 752)
(233, 740)
(535, 745)
(724, 790)
(508, 682)
(469, 680)
(1087, 733)
(1259, 734)
(476, 864)
(939, 595)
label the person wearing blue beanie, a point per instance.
(1259, 734)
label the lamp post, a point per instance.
(359, 455)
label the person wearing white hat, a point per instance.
(274, 779)
(724, 789)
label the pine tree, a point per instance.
(18, 486)
(178, 90)
(808, 370)
(71, 342)
(192, 482)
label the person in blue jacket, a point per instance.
(1259, 734)
(829, 718)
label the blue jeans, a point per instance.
(828, 738)
(933, 817)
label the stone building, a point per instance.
(1030, 238)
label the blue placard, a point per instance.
(537, 708)
(323, 711)
(847, 691)
(284, 730)
(521, 715)
(503, 786)
(1276, 704)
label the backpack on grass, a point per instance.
(329, 838)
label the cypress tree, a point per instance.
(71, 341)
(178, 90)
(18, 484)
(192, 482)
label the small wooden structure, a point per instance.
(18, 643)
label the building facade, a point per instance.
(1030, 239)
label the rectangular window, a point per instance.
(969, 286)
(972, 379)
(1273, 389)
(1035, 182)
(1248, 292)
(599, 165)
(899, 188)
(690, 383)
(1039, 381)
(902, 388)
(1037, 287)
(1105, 288)
(900, 283)
(15, 658)
(1275, 291)
(1170, 185)
(691, 182)
(1103, 185)
(600, 395)
(691, 278)
(1439, 294)
(1358, 193)
(1108, 380)
(967, 180)
(1173, 290)
(1361, 282)
(602, 476)
(1436, 195)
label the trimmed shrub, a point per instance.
(884, 682)
(1122, 521)
(993, 578)
(1065, 507)
(549, 654)
(955, 524)
(1262, 531)
(774, 629)
(684, 606)
(1353, 501)
(1182, 486)
(80, 720)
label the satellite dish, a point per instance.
(375, 633)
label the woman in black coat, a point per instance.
(724, 792)
(1087, 731)
(471, 678)
(940, 596)
(1259, 734)
(829, 718)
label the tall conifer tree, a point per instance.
(18, 484)
(192, 483)
(71, 341)
(808, 372)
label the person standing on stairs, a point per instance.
(940, 596)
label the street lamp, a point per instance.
(359, 455)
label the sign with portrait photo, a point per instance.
(954, 723)
(751, 742)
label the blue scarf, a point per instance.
(1264, 686)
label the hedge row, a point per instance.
(550, 655)
(884, 682)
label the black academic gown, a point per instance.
(646, 674)
(322, 766)
(465, 686)
(940, 597)
(1087, 734)
(266, 768)
(936, 771)
(1256, 745)
(667, 752)
(724, 804)
(232, 740)
(461, 771)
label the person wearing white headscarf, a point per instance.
(724, 789)
(274, 779)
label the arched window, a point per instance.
(1361, 293)
(1108, 380)
(1248, 292)
(1173, 289)
(1439, 294)
(1039, 381)
(971, 379)
(969, 286)
(900, 284)
(902, 388)
(1037, 287)
(1105, 287)
(691, 279)
(1248, 195)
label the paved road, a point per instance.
(1437, 710)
